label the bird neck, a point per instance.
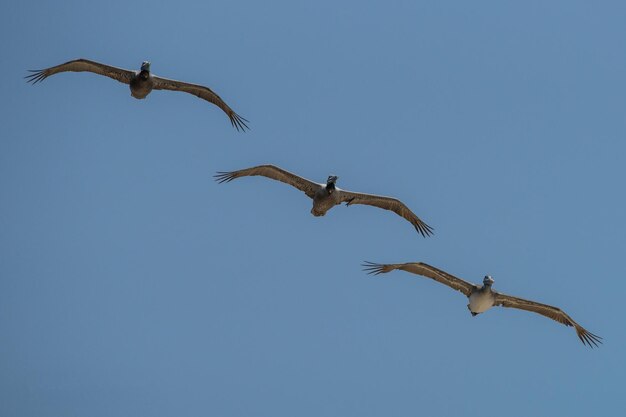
(144, 74)
(330, 186)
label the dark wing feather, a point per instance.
(424, 270)
(551, 312)
(204, 93)
(81, 65)
(275, 173)
(387, 203)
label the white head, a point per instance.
(145, 66)
(488, 281)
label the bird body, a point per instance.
(327, 196)
(324, 200)
(141, 83)
(482, 298)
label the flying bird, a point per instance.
(141, 83)
(326, 196)
(482, 298)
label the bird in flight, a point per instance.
(482, 298)
(326, 196)
(141, 83)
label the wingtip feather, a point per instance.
(588, 338)
(238, 122)
(36, 76)
(373, 268)
(424, 229)
(222, 177)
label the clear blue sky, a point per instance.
(131, 284)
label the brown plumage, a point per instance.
(141, 83)
(326, 196)
(273, 172)
(425, 270)
(551, 312)
(484, 294)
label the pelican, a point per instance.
(141, 83)
(326, 196)
(483, 298)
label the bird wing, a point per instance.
(425, 270)
(275, 173)
(387, 203)
(204, 93)
(551, 312)
(80, 65)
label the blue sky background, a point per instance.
(133, 284)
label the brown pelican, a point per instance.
(141, 83)
(326, 196)
(483, 298)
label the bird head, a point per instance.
(332, 179)
(488, 280)
(145, 66)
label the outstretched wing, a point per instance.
(387, 203)
(82, 65)
(424, 270)
(275, 173)
(551, 312)
(204, 93)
